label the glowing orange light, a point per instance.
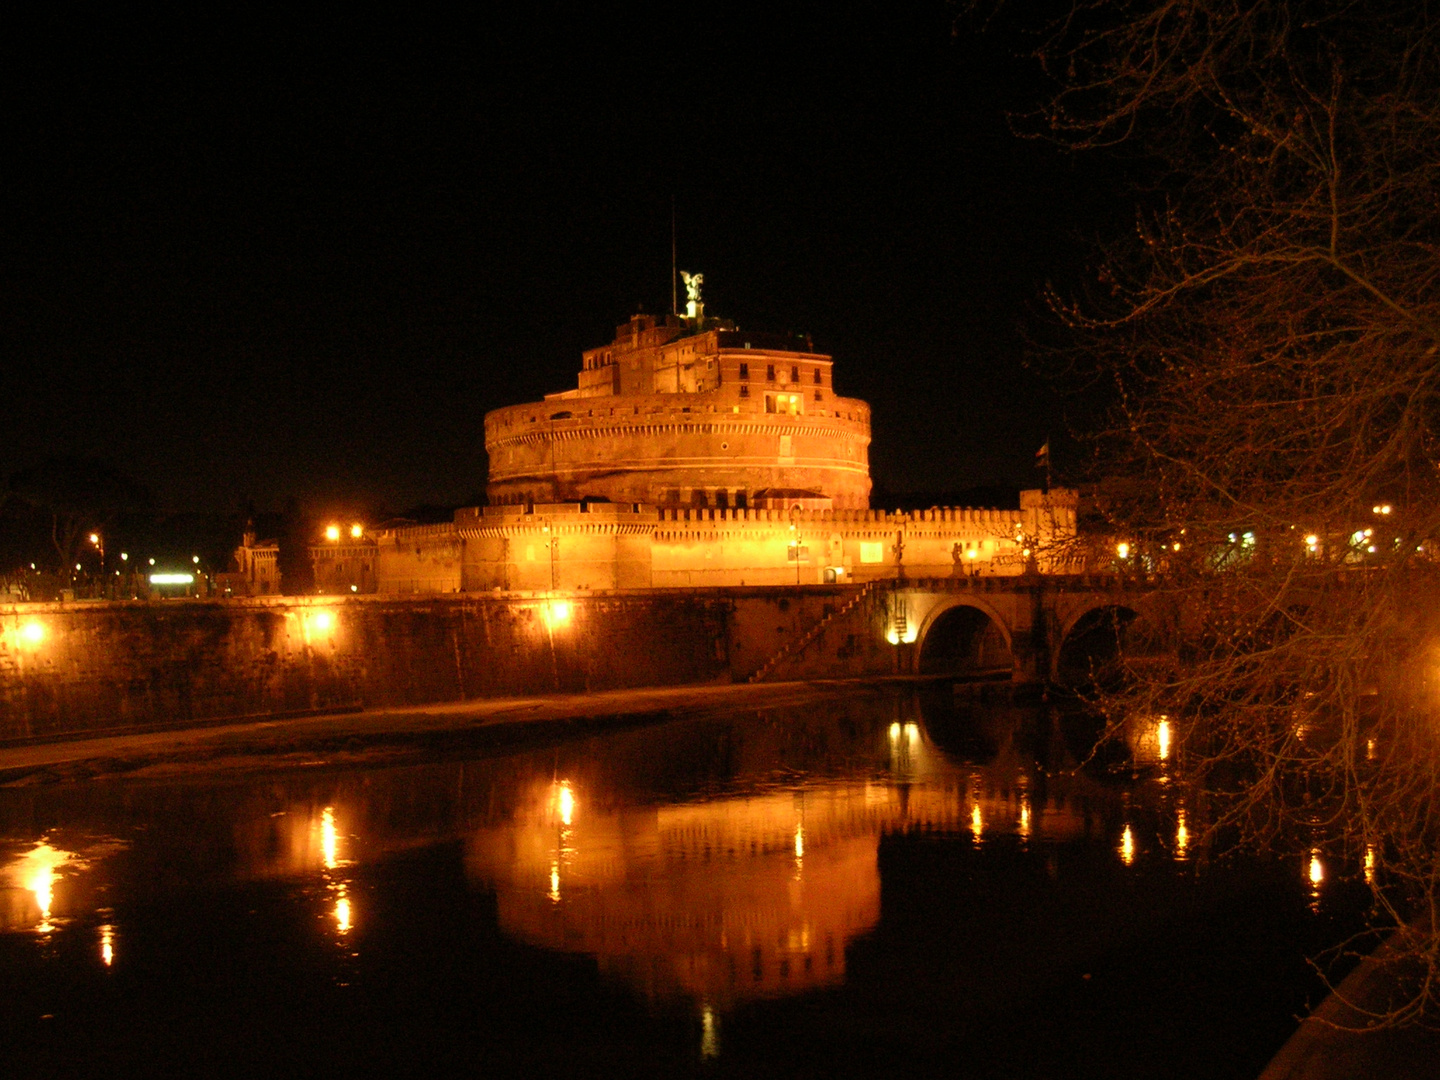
(1317, 869)
(107, 945)
(357, 531)
(323, 621)
(342, 910)
(32, 633)
(565, 802)
(977, 821)
(1127, 846)
(1122, 550)
(332, 533)
(1162, 738)
(329, 839)
(1182, 837)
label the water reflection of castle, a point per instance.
(686, 891)
(746, 896)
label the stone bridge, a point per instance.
(1031, 628)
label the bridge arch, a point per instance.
(963, 636)
(1095, 639)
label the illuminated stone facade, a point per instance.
(670, 414)
(604, 546)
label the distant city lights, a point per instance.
(171, 579)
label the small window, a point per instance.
(795, 374)
(817, 376)
(872, 551)
(818, 396)
(744, 391)
(769, 372)
(744, 371)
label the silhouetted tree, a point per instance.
(81, 496)
(1271, 331)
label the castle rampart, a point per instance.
(605, 546)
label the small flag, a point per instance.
(1042, 456)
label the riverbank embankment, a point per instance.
(94, 668)
(387, 735)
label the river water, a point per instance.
(885, 884)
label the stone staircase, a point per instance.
(800, 644)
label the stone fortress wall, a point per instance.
(605, 546)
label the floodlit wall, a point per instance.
(92, 666)
(608, 546)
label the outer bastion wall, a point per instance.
(601, 546)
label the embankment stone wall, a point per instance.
(82, 667)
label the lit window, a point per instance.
(872, 551)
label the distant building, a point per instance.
(255, 568)
(344, 562)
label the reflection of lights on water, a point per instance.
(1369, 865)
(1024, 827)
(1370, 749)
(37, 874)
(1162, 737)
(1182, 836)
(977, 821)
(1127, 846)
(912, 733)
(342, 909)
(895, 731)
(709, 1033)
(799, 841)
(1315, 875)
(329, 838)
(565, 802)
(107, 944)
(554, 893)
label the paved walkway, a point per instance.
(1328, 1047)
(372, 731)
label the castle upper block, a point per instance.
(688, 412)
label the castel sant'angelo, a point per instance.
(688, 413)
(691, 453)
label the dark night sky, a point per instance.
(284, 259)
